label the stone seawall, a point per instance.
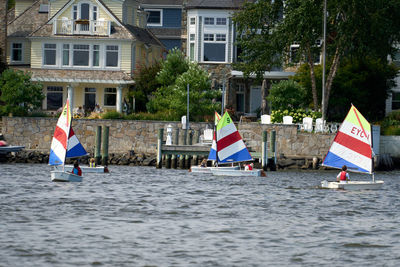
(140, 137)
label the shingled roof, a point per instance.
(27, 22)
(161, 2)
(216, 4)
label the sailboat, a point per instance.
(65, 144)
(213, 153)
(352, 147)
(230, 148)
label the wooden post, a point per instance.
(196, 137)
(182, 141)
(189, 142)
(173, 161)
(104, 154)
(175, 142)
(159, 149)
(264, 152)
(168, 161)
(272, 162)
(97, 149)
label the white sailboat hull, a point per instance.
(62, 176)
(353, 185)
(85, 169)
(199, 169)
(223, 172)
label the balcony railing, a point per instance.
(67, 26)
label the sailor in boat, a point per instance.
(203, 163)
(343, 176)
(77, 170)
(92, 163)
(249, 167)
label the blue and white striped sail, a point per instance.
(75, 148)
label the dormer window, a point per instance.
(154, 17)
(84, 11)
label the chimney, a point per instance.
(3, 30)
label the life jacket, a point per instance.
(343, 176)
(92, 164)
(79, 171)
(250, 167)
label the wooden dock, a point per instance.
(185, 156)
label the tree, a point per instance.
(19, 94)
(145, 85)
(286, 94)
(171, 97)
(355, 28)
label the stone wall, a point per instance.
(141, 136)
(390, 145)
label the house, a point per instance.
(210, 41)
(84, 49)
(164, 20)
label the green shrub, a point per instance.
(112, 115)
(297, 114)
(391, 130)
(38, 114)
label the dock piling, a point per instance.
(97, 148)
(159, 148)
(104, 154)
(264, 152)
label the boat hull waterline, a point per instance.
(208, 169)
(353, 185)
(223, 172)
(86, 169)
(62, 176)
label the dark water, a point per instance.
(141, 216)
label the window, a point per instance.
(192, 21)
(208, 21)
(110, 96)
(221, 21)
(240, 98)
(49, 55)
(65, 59)
(191, 52)
(155, 17)
(81, 55)
(112, 56)
(220, 37)
(214, 52)
(395, 100)
(90, 98)
(192, 36)
(96, 56)
(294, 55)
(208, 37)
(94, 13)
(16, 53)
(54, 97)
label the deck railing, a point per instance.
(84, 27)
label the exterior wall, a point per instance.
(125, 57)
(68, 13)
(171, 43)
(55, 6)
(172, 17)
(141, 136)
(36, 54)
(21, 6)
(115, 7)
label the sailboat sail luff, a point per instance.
(59, 144)
(352, 144)
(213, 151)
(230, 146)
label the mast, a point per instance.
(372, 154)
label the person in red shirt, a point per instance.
(343, 176)
(77, 170)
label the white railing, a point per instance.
(67, 26)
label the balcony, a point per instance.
(67, 26)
